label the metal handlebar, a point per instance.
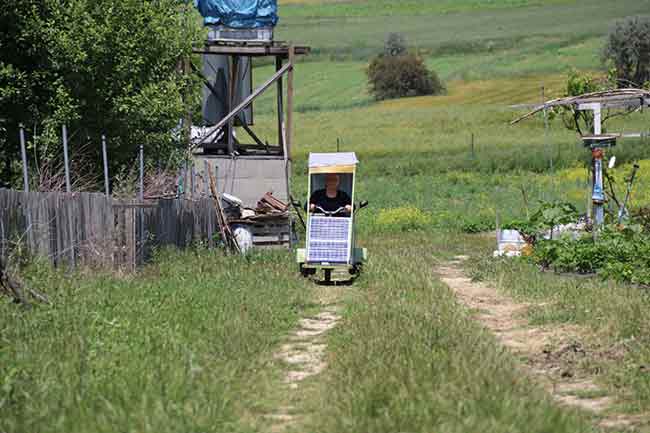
(330, 213)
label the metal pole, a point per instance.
(140, 250)
(185, 181)
(622, 212)
(598, 194)
(141, 172)
(23, 153)
(193, 180)
(548, 144)
(68, 188)
(105, 157)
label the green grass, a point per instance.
(615, 315)
(173, 349)
(364, 8)
(360, 31)
(407, 359)
(186, 344)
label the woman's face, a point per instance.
(332, 181)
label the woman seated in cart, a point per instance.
(330, 240)
(331, 198)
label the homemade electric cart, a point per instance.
(330, 239)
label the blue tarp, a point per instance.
(239, 14)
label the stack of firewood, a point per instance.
(269, 204)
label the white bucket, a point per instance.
(510, 243)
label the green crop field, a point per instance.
(187, 344)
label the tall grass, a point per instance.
(173, 349)
(407, 359)
(615, 315)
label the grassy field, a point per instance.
(186, 345)
(408, 359)
(173, 349)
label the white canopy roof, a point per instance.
(317, 160)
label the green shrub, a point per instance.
(479, 224)
(621, 254)
(406, 218)
(549, 215)
(399, 76)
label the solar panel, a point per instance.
(329, 239)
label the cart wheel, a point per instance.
(328, 276)
(356, 269)
(305, 272)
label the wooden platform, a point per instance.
(251, 48)
(269, 230)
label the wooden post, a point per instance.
(206, 180)
(230, 97)
(68, 187)
(471, 146)
(280, 102)
(289, 126)
(105, 158)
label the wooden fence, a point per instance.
(93, 229)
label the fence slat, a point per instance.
(96, 230)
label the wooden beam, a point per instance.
(280, 103)
(254, 51)
(246, 102)
(233, 61)
(289, 127)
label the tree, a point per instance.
(395, 44)
(628, 49)
(100, 67)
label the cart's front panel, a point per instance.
(329, 239)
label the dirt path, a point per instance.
(551, 353)
(303, 355)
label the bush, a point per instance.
(622, 254)
(404, 219)
(628, 48)
(399, 76)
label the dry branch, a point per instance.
(621, 96)
(14, 289)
